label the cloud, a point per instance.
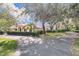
(26, 18)
(13, 10)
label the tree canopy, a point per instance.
(6, 20)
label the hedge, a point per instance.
(23, 33)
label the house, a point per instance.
(21, 28)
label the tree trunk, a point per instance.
(20, 29)
(43, 25)
(51, 27)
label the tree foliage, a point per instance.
(6, 20)
(54, 13)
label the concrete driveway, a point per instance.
(48, 47)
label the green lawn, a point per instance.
(76, 44)
(75, 47)
(7, 46)
(55, 34)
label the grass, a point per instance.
(7, 46)
(75, 47)
(55, 34)
(52, 35)
(76, 44)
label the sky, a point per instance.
(29, 20)
(26, 19)
(19, 5)
(16, 9)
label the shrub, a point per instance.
(39, 32)
(1, 32)
(76, 31)
(23, 33)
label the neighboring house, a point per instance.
(28, 28)
(21, 28)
